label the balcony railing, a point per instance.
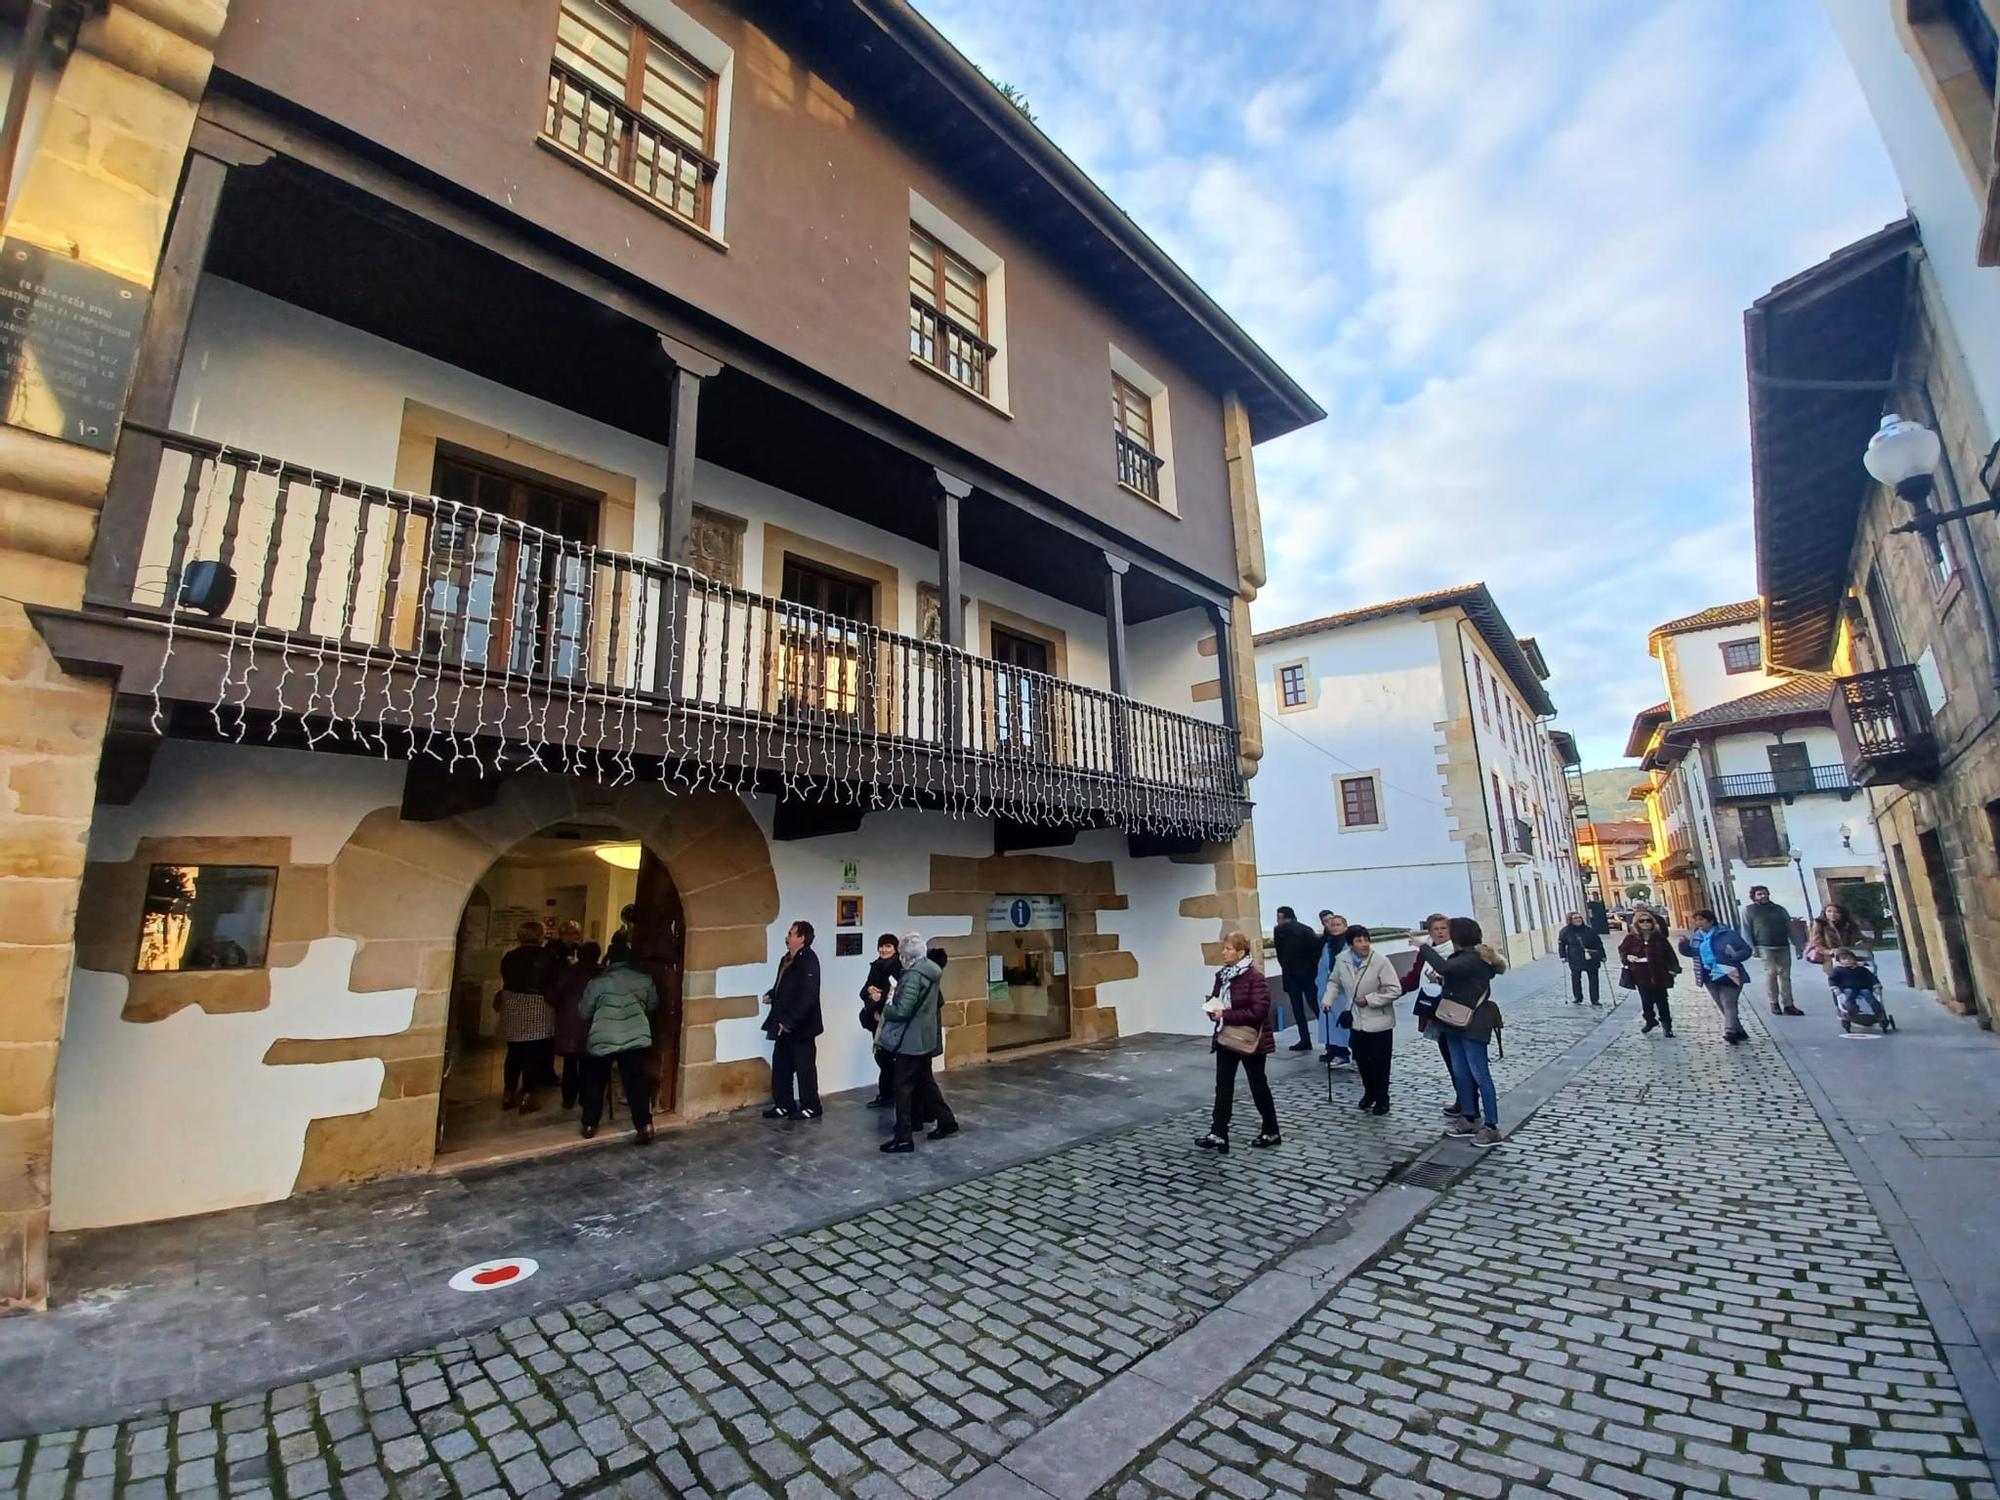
(1883, 722)
(427, 627)
(1793, 783)
(949, 346)
(591, 124)
(1138, 466)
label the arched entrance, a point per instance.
(575, 882)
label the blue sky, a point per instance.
(1507, 244)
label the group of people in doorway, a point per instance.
(1335, 976)
(565, 1000)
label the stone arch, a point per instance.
(398, 890)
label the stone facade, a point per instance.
(99, 190)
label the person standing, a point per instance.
(527, 1021)
(1767, 927)
(1298, 947)
(618, 1008)
(1719, 953)
(912, 1035)
(1333, 930)
(1832, 930)
(572, 1031)
(1650, 968)
(1583, 950)
(1239, 1004)
(1467, 976)
(1366, 985)
(1427, 980)
(876, 990)
(793, 1026)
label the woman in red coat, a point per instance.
(1239, 1003)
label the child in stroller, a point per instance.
(1857, 993)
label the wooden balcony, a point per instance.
(1787, 784)
(276, 603)
(1883, 722)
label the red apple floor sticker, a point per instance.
(491, 1275)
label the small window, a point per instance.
(1500, 816)
(1132, 433)
(1479, 675)
(1360, 802)
(631, 104)
(199, 917)
(1760, 833)
(948, 312)
(1294, 685)
(1742, 656)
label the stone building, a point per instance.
(1409, 768)
(664, 484)
(1612, 857)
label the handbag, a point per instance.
(1454, 1013)
(1240, 1039)
(1813, 955)
(1625, 979)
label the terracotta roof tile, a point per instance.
(1747, 612)
(1800, 697)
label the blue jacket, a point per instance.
(1728, 949)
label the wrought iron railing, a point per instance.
(950, 347)
(589, 123)
(380, 607)
(1789, 783)
(1883, 722)
(1138, 466)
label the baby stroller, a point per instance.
(1857, 994)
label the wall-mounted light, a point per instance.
(623, 856)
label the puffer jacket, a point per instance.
(1370, 991)
(1249, 1004)
(918, 1006)
(618, 1006)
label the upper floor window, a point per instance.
(1360, 802)
(633, 105)
(948, 313)
(1294, 686)
(1742, 656)
(1132, 433)
(1479, 673)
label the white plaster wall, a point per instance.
(1377, 695)
(1692, 664)
(1165, 661)
(1935, 185)
(1742, 754)
(182, 1116)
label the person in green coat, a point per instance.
(912, 1033)
(618, 1008)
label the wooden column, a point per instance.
(1225, 662)
(1115, 568)
(951, 616)
(135, 469)
(690, 367)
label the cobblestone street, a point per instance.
(1667, 1282)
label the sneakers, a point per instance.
(1213, 1142)
(810, 1114)
(1340, 1060)
(1450, 1111)
(1485, 1136)
(1268, 1138)
(778, 1112)
(1461, 1126)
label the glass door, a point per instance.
(1018, 709)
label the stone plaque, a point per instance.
(68, 340)
(716, 545)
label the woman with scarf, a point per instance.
(1469, 1018)
(1239, 1005)
(1366, 985)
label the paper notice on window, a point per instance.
(995, 974)
(1061, 967)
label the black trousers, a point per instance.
(1372, 1051)
(1303, 994)
(1653, 1002)
(631, 1065)
(885, 1074)
(918, 1098)
(795, 1063)
(529, 1065)
(1576, 973)
(572, 1078)
(1226, 1063)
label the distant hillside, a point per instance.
(1606, 790)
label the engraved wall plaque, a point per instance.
(69, 336)
(715, 545)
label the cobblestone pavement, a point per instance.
(1667, 1284)
(890, 1354)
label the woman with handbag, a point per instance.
(1365, 987)
(912, 1033)
(1649, 966)
(1239, 1003)
(1469, 1017)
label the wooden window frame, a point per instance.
(933, 299)
(629, 111)
(1139, 457)
(1278, 700)
(1733, 670)
(1372, 780)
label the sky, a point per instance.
(1507, 244)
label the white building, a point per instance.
(1408, 768)
(1746, 783)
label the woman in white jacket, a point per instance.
(1366, 984)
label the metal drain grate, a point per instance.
(1425, 1174)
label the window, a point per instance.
(1132, 433)
(1020, 702)
(1479, 676)
(633, 105)
(1500, 817)
(1360, 802)
(1294, 686)
(1760, 833)
(823, 658)
(948, 312)
(205, 917)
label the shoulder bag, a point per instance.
(1453, 1013)
(1241, 1039)
(889, 1035)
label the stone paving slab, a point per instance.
(896, 1352)
(1667, 1284)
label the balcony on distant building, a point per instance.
(1786, 784)
(1883, 722)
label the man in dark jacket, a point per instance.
(1768, 927)
(1298, 960)
(876, 991)
(1583, 950)
(794, 1026)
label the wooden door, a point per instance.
(659, 934)
(1791, 768)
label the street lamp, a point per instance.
(1799, 863)
(1904, 455)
